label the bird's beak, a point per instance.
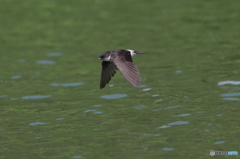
(99, 59)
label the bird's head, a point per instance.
(106, 56)
(102, 56)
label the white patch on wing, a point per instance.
(108, 58)
(132, 52)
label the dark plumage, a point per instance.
(119, 60)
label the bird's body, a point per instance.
(120, 59)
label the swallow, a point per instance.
(120, 59)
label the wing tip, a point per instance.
(102, 86)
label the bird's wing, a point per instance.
(129, 70)
(108, 71)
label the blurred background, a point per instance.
(50, 102)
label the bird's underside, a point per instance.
(126, 67)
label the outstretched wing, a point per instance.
(129, 70)
(108, 71)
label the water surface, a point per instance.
(51, 105)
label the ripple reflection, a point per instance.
(157, 135)
(146, 89)
(140, 107)
(97, 105)
(178, 71)
(54, 54)
(45, 62)
(74, 84)
(229, 82)
(183, 114)
(77, 156)
(231, 94)
(219, 142)
(97, 112)
(36, 96)
(168, 149)
(172, 107)
(179, 123)
(163, 127)
(90, 110)
(114, 96)
(15, 77)
(38, 123)
(59, 118)
(231, 99)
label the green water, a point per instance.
(51, 105)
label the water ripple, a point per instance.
(142, 86)
(38, 123)
(183, 114)
(179, 123)
(36, 97)
(157, 135)
(231, 99)
(97, 105)
(159, 100)
(157, 109)
(219, 142)
(54, 54)
(45, 62)
(114, 96)
(178, 71)
(229, 82)
(168, 149)
(172, 107)
(74, 84)
(90, 110)
(59, 118)
(146, 89)
(15, 77)
(176, 106)
(231, 94)
(77, 156)
(97, 112)
(163, 127)
(140, 107)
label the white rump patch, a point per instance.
(132, 52)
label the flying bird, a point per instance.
(120, 59)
